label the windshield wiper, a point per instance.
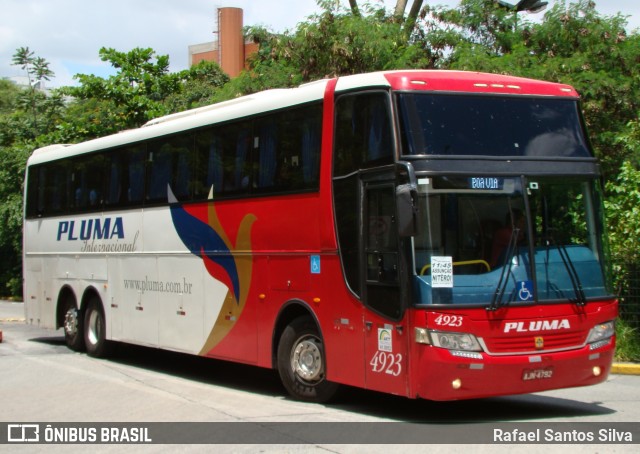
(581, 300)
(578, 291)
(506, 270)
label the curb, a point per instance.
(625, 369)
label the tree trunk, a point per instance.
(354, 7)
(401, 5)
(413, 14)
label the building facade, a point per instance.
(230, 51)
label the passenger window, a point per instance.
(85, 181)
(125, 176)
(169, 164)
(363, 132)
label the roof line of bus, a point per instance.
(275, 99)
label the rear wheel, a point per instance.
(72, 325)
(302, 363)
(95, 330)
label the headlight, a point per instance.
(601, 332)
(455, 341)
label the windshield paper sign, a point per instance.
(441, 272)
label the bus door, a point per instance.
(384, 322)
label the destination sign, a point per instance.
(469, 184)
(486, 183)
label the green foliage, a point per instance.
(36, 67)
(8, 96)
(32, 100)
(135, 94)
(623, 202)
(12, 165)
(331, 43)
(623, 214)
(627, 342)
(574, 44)
(201, 82)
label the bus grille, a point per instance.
(530, 343)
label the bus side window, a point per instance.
(268, 150)
(208, 169)
(289, 150)
(363, 132)
(311, 150)
(124, 170)
(362, 139)
(169, 164)
(85, 180)
(134, 172)
(56, 194)
(237, 177)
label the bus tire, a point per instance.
(95, 340)
(302, 363)
(73, 326)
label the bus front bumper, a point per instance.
(443, 375)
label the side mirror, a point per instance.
(407, 210)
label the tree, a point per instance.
(337, 41)
(37, 69)
(135, 94)
(200, 85)
(12, 164)
(398, 11)
(573, 44)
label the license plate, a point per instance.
(537, 374)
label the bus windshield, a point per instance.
(497, 240)
(493, 126)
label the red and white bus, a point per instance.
(429, 234)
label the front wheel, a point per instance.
(302, 363)
(95, 330)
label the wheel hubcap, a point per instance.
(306, 360)
(71, 322)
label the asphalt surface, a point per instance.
(43, 381)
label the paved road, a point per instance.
(41, 380)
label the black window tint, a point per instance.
(125, 176)
(288, 152)
(48, 191)
(274, 153)
(363, 139)
(223, 154)
(363, 132)
(85, 181)
(34, 206)
(490, 126)
(209, 169)
(346, 196)
(169, 165)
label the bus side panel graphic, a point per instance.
(210, 241)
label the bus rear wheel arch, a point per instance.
(301, 362)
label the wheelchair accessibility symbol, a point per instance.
(525, 290)
(315, 264)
